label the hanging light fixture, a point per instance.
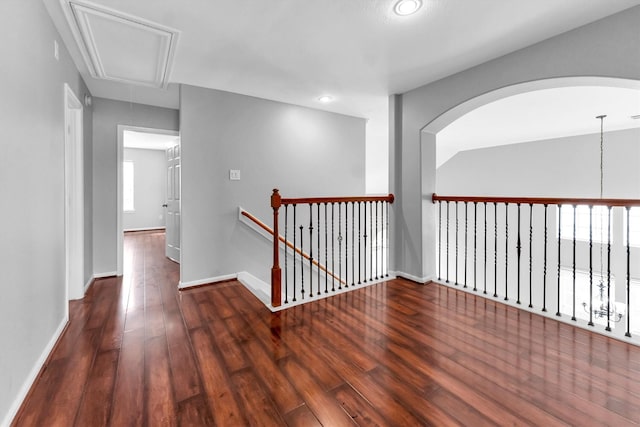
(602, 307)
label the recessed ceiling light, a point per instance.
(407, 7)
(325, 99)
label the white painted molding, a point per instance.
(259, 288)
(209, 280)
(33, 375)
(106, 274)
(143, 229)
(422, 280)
(89, 283)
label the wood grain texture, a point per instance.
(138, 352)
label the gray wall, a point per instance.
(607, 48)
(149, 189)
(301, 151)
(107, 115)
(561, 167)
(33, 303)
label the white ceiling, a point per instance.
(357, 51)
(539, 115)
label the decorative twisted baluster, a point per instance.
(326, 250)
(544, 273)
(506, 251)
(573, 313)
(591, 265)
(466, 240)
(359, 241)
(628, 332)
(608, 328)
(518, 251)
(559, 244)
(495, 250)
(439, 240)
(475, 246)
(530, 255)
(294, 253)
(310, 249)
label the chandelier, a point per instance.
(602, 307)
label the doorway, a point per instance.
(74, 196)
(156, 139)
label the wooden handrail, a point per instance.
(314, 200)
(268, 229)
(539, 200)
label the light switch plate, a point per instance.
(234, 174)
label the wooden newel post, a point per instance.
(276, 273)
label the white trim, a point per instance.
(103, 275)
(421, 280)
(259, 288)
(143, 229)
(74, 195)
(119, 159)
(79, 13)
(88, 284)
(33, 375)
(210, 280)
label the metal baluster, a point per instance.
(286, 255)
(302, 260)
(544, 271)
(530, 255)
(573, 315)
(628, 333)
(310, 249)
(370, 241)
(495, 250)
(466, 241)
(353, 258)
(294, 253)
(340, 245)
(518, 252)
(608, 328)
(387, 237)
(439, 239)
(591, 265)
(447, 281)
(346, 244)
(376, 245)
(364, 236)
(333, 244)
(559, 244)
(359, 242)
(456, 245)
(319, 256)
(475, 246)
(485, 248)
(506, 251)
(326, 250)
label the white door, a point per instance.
(173, 204)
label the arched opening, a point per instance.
(584, 242)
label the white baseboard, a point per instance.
(103, 275)
(183, 285)
(88, 284)
(423, 280)
(26, 386)
(260, 289)
(143, 229)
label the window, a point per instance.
(127, 186)
(599, 223)
(634, 227)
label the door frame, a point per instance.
(119, 160)
(74, 195)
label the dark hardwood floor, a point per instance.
(139, 352)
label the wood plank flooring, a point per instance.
(139, 352)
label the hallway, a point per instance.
(139, 352)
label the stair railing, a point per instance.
(573, 259)
(350, 233)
